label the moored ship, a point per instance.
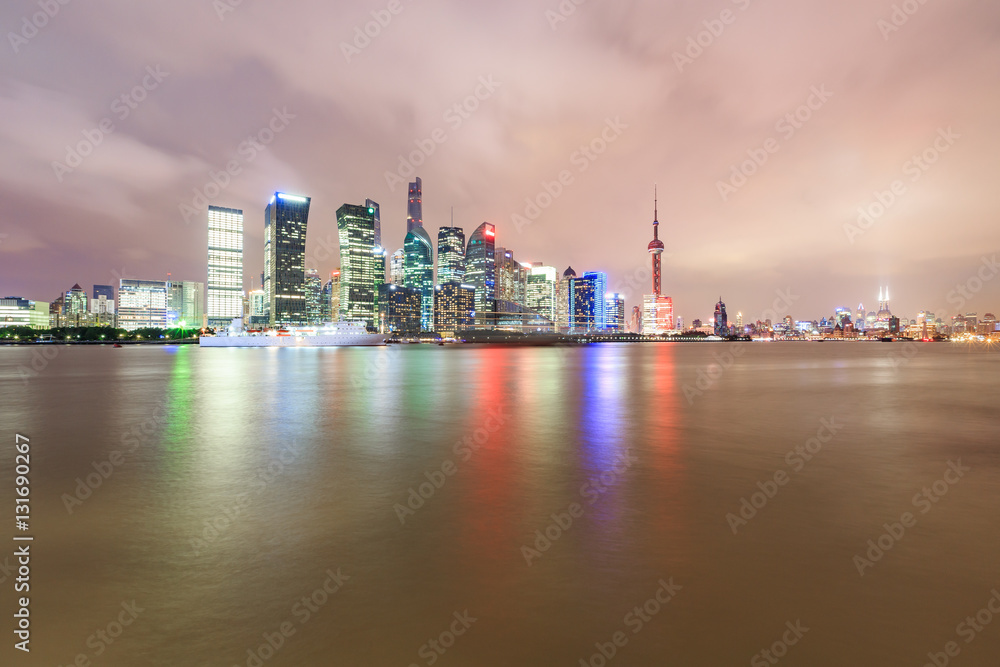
(334, 334)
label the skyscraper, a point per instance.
(225, 266)
(542, 289)
(314, 297)
(721, 320)
(415, 206)
(373, 205)
(75, 307)
(480, 271)
(332, 292)
(258, 310)
(108, 291)
(454, 308)
(396, 264)
(451, 255)
(285, 220)
(418, 272)
(614, 308)
(186, 304)
(399, 309)
(362, 264)
(564, 316)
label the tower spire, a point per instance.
(656, 213)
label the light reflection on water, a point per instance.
(260, 469)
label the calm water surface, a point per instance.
(246, 477)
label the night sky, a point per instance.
(533, 87)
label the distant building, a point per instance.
(142, 304)
(415, 205)
(185, 303)
(362, 264)
(397, 267)
(225, 267)
(399, 309)
(314, 297)
(107, 291)
(721, 320)
(331, 295)
(418, 272)
(454, 308)
(480, 272)
(542, 291)
(511, 282)
(19, 312)
(563, 313)
(587, 305)
(451, 255)
(75, 307)
(635, 322)
(285, 221)
(614, 308)
(258, 310)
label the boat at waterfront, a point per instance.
(334, 334)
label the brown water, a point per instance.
(246, 475)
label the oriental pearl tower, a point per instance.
(656, 247)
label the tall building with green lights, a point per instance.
(362, 264)
(418, 272)
(480, 272)
(285, 221)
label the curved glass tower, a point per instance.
(418, 272)
(480, 270)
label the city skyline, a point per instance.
(661, 119)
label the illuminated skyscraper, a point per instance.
(635, 322)
(418, 272)
(511, 282)
(454, 308)
(399, 309)
(415, 206)
(451, 255)
(75, 307)
(314, 297)
(285, 221)
(362, 264)
(480, 271)
(373, 205)
(258, 310)
(564, 317)
(721, 320)
(614, 307)
(396, 272)
(331, 297)
(542, 291)
(587, 305)
(225, 266)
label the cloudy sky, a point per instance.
(117, 114)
